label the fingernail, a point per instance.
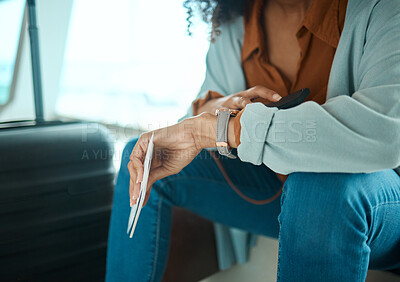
(137, 181)
(276, 97)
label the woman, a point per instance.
(338, 212)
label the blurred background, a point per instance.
(130, 65)
(127, 64)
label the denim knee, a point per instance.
(327, 191)
(344, 191)
(320, 208)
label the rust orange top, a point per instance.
(318, 36)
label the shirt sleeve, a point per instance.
(349, 133)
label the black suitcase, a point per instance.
(56, 185)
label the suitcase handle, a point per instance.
(35, 59)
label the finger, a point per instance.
(263, 92)
(136, 192)
(130, 192)
(131, 176)
(149, 185)
(240, 102)
(138, 154)
(133, 189)
(134, 195)
(157, 174)
(146, 198)
(137, 166)
(134, 172)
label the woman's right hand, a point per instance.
(239, 100)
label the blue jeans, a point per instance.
(331, 226)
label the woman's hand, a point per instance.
(174, 148)
(239, 100)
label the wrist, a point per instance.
(231, 133)
(204, 127)
(204, 131)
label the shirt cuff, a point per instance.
(254, 121)
(237, 128)
(201, 101)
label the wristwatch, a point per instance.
(222, 131)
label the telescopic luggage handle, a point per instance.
(35, 59)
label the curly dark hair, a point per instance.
(214, 12)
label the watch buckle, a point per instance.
(222, 144)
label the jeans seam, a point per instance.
(157, 239)
(382, 204)
(360, 266)
(278, 278)
(369, 212)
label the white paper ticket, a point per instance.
(135, 210)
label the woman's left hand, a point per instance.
(174, 148)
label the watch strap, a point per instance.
(222, 134)
(225, 151)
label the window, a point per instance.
(131, 62)
(11, 15)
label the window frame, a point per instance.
(11, 93)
